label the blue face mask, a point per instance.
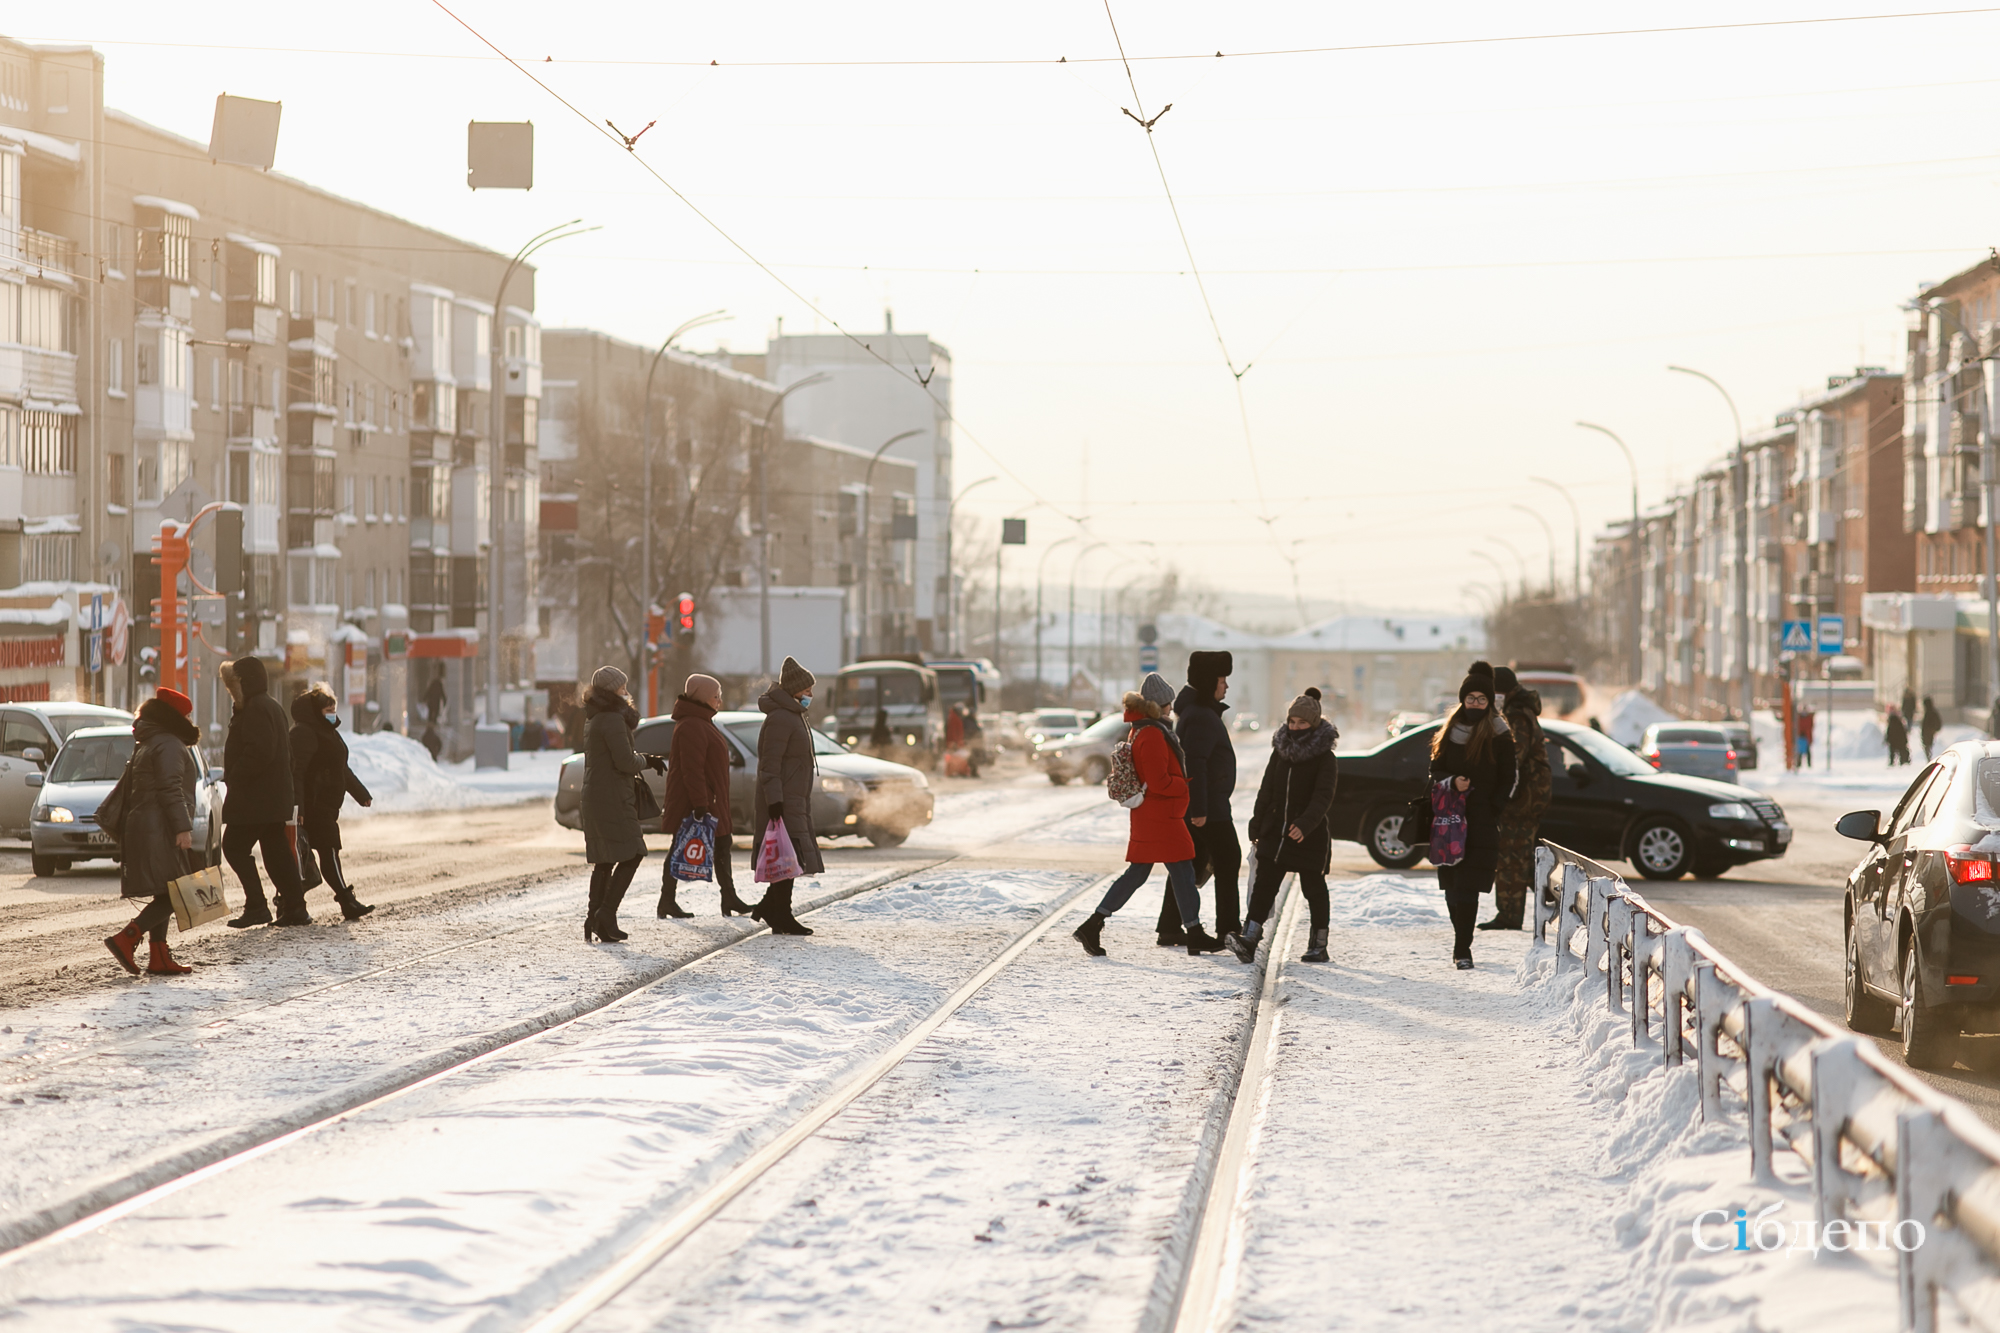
(805, 701)
(333, 719)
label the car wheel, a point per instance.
(1660, 850)
(1864, 1012)
(1382, 835)
(1059, 779)
(46, 867)
(1096, 771)
(886, 837)
(1924, 1031)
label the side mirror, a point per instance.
(1578, 774)
(215, 775)
(34, 779)
(1861, 825)
(34, 754)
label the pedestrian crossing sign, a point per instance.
(1798, 636)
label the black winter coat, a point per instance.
(1211, 759)
(786, 773)
(320, 774)
(610, 812)
(1493, 777)
(257, 756)
(159, 802)
(1298, 788)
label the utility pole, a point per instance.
(868, 546)
(764, 523)
(652, 704)
(1040, 567)
(1739, 486)
(1069, 675)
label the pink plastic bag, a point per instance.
(776, 857)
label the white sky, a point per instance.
(1440, 258)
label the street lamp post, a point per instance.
(1041, 566)
(1498, 569)
(1739, 487)
(764, 520)
(1576, 521)
(1638, 651)
(646, 472)
(867, 546)
(1069, 674)
(496, 430)
(1548, 532)
(957, 634)
(1519, 559)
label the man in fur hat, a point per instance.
(1211, 776)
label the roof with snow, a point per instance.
(1387, 634)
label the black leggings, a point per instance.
(153, 917)
(613, 878)
(1264, 893)
(1462, 884)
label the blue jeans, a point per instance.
(1180, 874)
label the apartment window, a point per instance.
(369, 511)
(45, 319)
(368, 406)
(347, 401)
(402, 500)
(114, 248)
(114, 479)
(10, 437)
(236, 384)
(296, 306)
(513, 342)
(114, 368)
(239, 477)
(215, 384)
(353, 312)
(149, 362)
(348, 506)
(368, 315)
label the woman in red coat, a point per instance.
(698, 784)
(1159, 823)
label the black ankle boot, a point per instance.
(668, 906)
(776, 912)
(256, 912)
(735, 906)
(1200, 941)
(351, 907)
(1087, 935)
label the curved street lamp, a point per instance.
(764, 519)
(950, 513)
(1070, 656)
(1519, 559)
(1548, 532)
(1739, 485)
(1638, 654)
(1576, 529)
(1041, 567)
(646, 473)
(867, 538)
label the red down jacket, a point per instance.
(1159, 824)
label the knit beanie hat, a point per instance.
(607, 678)
(793, 678)
(1478, 677)
(1505, 681)
(1155, 689)
(1306, 708)
(179, 702)
(1205, 668)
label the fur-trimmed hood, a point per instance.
(158, 717)
(1296, 747)
(310, 707)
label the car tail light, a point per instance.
(1653, 759)
(1729, 759)
(1967, 866)
(1961, 981)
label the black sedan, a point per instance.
(1923, 907)
(1606, 803)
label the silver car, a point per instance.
(30, 735)
(1086, 755)
(63, 829)
(1700, 749)
(859, 795)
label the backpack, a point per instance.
(1122, 784)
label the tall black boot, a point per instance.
(776, 911)
(607, 912)
(1172, 935)
(668, 907)
(590, 912)
(733, 905)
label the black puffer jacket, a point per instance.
(1298, 788)
(1211, 759)
(320, 772)
(1493, 777)
(257, 756)
(160, 802)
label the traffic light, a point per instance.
(684, 613)
(149, 665)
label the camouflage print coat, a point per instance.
(1522, 815)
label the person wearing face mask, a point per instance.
(785, 780)
(1474, 751)
(323, 781)
(1288, 825)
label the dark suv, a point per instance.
(1606, 803)
(1923, 907)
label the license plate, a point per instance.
(101, 839)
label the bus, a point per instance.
(907, 695)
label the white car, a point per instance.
(30, 735)
(1052, 724)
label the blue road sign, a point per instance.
(1798, 637)
(1149, 657)
(1832, 633)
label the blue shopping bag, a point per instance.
(693, 857)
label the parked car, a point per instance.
(1249, 722)
(1922, 937)
(1086, 755)
(857, 795)
(1700, 748)
(1052, 724)
(1404, 721)
(30, 735)
(1605, 802)
(63, 826)
(1745, 740)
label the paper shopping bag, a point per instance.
(198, 897)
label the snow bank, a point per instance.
(401, 776)
(1631, 713)
(1388, 900)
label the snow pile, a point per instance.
(1388, 900)
(1109, 824)
(963, 895)
(1631, 713)
(1673, 1169)
(401, 776)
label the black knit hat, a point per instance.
(1205, 668)
(1479, 676)
(1505, 680)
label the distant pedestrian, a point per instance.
(954, 729)
(975, 739)
(1896, 733)
(878, 735)
(698, 784)
(1521, 816)
(434, 697)
(432, 741)
(612, 840)
(158, 842)
(1909, 704)
(1211, 775)
(322, 781)
(1932, 725)
(786, 778)
(1474, 751)
(257, 760)
(1802, 737)
(1159, 823)
(534, 736)
(1288, 825)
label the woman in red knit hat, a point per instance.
(159, 826)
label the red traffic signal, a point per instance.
(684, 612)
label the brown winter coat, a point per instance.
(1533, 791)
(159, 803)
(697, 769)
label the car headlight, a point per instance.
(55, 814)
(841, 786)
(1731, 810)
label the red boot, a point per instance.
(122, 946)
(162, 963)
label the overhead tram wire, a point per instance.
(630, 150)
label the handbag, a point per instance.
(693, 856)
(198, 897)
(1417, 821)
(643, 803)
(111, 811)
(309, 876)
(777, 859)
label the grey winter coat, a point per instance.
(610, 816)
(160, 802)
(785, 774)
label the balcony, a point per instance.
(48, 375)
(1964, 511)
(249, 322)
(48, 254)
(253, 423)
